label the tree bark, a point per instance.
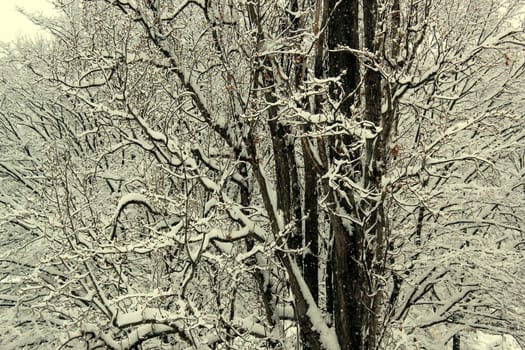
(343, 32)
(374, 218)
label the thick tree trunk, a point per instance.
(347, 285)
(358, 250)
(343, 32)
(375, 225)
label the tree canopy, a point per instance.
(232, 174)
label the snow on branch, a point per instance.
(126, 200)
(327, 335)
(134, 338)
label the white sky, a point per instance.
(13, 24)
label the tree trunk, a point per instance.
(343, 31)
(456, 342)
(374, 218)
(358, 249)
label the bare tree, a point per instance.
(226, 174)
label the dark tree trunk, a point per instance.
(375, 224)
(456, 342)
(311, 261)
(356, 295)
(343, 32)
(347, 285)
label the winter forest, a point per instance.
(264, 174)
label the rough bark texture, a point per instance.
(375, 222)
(343, 31)
(358, 249)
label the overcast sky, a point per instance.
(13, 24)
